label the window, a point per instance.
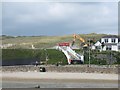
(113, 40)
(108, 48)
(106, 40)
(119, 47)
(98, 47)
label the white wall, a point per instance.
(93, 47)
(104, 48)
(116, 40)
(114, 48)
(118, 46)
(102, 40)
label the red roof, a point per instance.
(64, 44)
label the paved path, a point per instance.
(55, 75)
(58, 80)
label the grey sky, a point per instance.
(46, 18)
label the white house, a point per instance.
(97, 46)
(109, 42)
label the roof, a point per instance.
(109, 44)
(110, 36)
(97, 43)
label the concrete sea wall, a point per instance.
(67, 68)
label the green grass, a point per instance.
(26, 42)
(55, 56)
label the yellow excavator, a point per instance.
(83, 44)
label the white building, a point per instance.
(110, 42)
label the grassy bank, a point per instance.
(55, 56)
(25, 42)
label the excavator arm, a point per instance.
(79, 38)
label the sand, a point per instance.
(58, 76)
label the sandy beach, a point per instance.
(56, 75)
(58, 80)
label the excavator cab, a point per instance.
(84, 45)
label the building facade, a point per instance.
(110, 42)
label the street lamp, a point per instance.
(89, 52)
(46, 56)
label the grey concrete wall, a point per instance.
(71, 68)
